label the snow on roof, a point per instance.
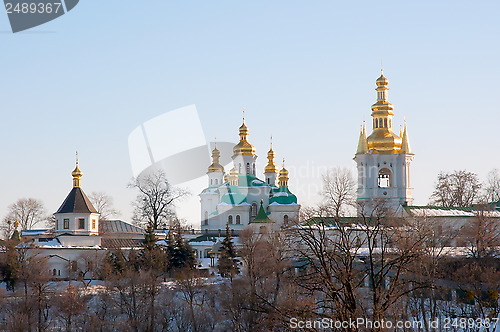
(449, 212)
(275, 203)
(281, 193)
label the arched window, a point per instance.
(254, 209)
(268, 180)
(238, 220)
(285, 219)
(248, 168)
(375, 123)
(54, 272)
(384, 178)
(206, 217)
(230, 220)
(385, 123)
(253, 169)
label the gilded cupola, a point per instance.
(271, 167)
(77, 175)
(283, 177)
(243, 147)
(216, 166)
(382, 140)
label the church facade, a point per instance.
(239, 198)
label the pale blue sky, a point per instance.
(304, 70)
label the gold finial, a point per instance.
(405, 146)
(16, 224)
(77, 174)
(362, 143)
(243, 114)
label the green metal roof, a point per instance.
(282, 195)
(443, 208)
(250, 181)
(262, 217)
(233, 196)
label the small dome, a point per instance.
(244, 147)
(284, 172)
(77, 173)
(382, 80)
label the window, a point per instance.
(268, 180)
(54, 272)
(73, 265)
(253, 169)
(206, 215)
(385, 123)
(384, 178)
(81, 223)
(66, 224)
(254, 209)
(375, 123)
(216, 181)
(93, 223)
(57, 224)
(285, 219)
(238, 220)
(248, 168)
(230, 220)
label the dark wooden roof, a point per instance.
(76, 202)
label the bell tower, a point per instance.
(383, 159)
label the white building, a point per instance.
(383, 158)
(78, 240)
(235, 198)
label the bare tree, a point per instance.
(103, 203)
(339, 191)
(458, 188)
(155, 203)
(27, 211)
(492, 186)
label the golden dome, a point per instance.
(244, 147)
(283, 177)
(233, 177)
(77, 175)
(384, 141)
(271, 167)
(216, 166)
(382, 80)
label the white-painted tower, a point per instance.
(383, 158)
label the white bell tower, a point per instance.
(383, 159)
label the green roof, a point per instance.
(233, 196)
(262, 217)
(444, 208)
(250, 181)
(282, 195)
